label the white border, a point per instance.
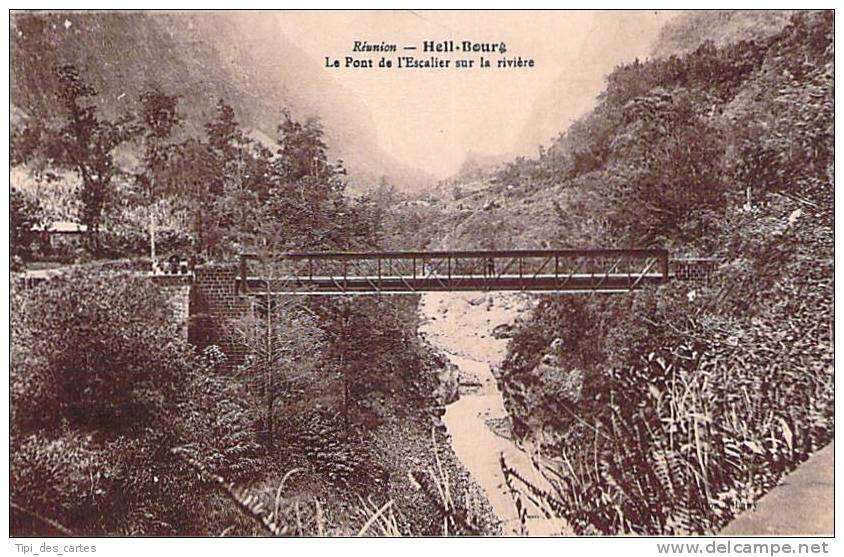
(632, 547)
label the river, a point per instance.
(460, 325)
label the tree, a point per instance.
(306, 207)
(197, 168)
(392, 365)
(303, 152)
(240, 181)
(283, 342)
(158, 119)
(84, 143)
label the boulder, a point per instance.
(567, 383)
(504, 330)
(448, 382)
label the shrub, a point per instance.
(693, 404)
(102, 337)
(687, 421)
(126, 241)
(103, 389)
(59, 477)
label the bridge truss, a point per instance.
(408, 272)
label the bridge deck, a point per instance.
(317, 285)
(591, 270)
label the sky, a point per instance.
(431, 119)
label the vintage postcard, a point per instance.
(422, 273)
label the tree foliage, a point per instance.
(82, 142)
(283, 341)
(229, 189)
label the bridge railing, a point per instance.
(412, 271)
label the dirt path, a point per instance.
(461, 325)
(801, 505)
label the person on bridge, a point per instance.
(489, 270)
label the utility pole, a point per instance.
(152, 240)
(269, 367)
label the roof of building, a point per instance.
(66, 227)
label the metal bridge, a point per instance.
(407, 272)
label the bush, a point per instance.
(694, 400)
(103, 389)
(127, 242)
(17, 264)
(59, 477)
(689, 419)
(101, 337)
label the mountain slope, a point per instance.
(616, 37)
(201, 56)
(694, 398)
(690, 29)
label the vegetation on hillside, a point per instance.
(101, 390)
(217, 193)
(120, 427)
(689, 29)
(692, 399)
(199, 57)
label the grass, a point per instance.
(278, 512)
(708, 426)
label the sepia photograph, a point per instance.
(422, 273)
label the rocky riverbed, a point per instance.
(470, 330)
